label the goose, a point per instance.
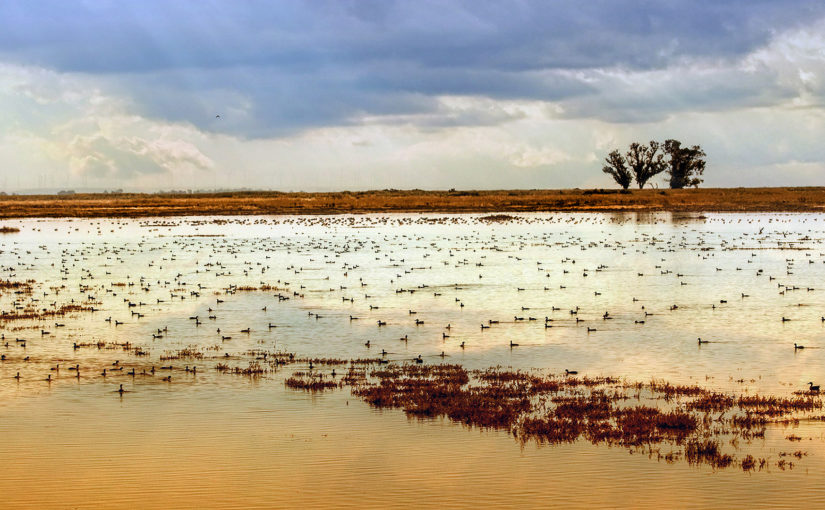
(813, 387)
(796, 347)
(700, 341)
(571, 372)
(513, 344)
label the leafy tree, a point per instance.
(617, 168)
(645, 161)
(686, 164)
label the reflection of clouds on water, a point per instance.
(726, 278)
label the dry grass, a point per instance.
(259, 203)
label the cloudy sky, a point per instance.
(320, 95)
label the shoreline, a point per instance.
(258, 203)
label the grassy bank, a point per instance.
(264, 202)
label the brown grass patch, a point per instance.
(269, 202)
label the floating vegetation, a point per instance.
(254, 369)
(310, 382)
(552, 409)
(24, 287)
(497, 218)
(44, 313)
(188, 353)
(9, 230)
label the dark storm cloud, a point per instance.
(275, 67)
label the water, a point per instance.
(221, 440)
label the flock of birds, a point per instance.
(388, 286)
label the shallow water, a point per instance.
(222, 440)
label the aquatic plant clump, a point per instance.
(44, 314)
(562, 409)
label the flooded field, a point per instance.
(399, 360)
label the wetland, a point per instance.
(532, 359)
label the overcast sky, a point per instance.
(370, 94)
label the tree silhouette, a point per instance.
(617, 168)
(645, 161)
(686, 164)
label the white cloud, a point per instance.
(760, 119)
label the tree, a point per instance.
(617, 168)
(645, 161)
(686, 164)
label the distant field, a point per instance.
(260, 203)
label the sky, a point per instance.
(372, 94)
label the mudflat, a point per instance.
(802, 199)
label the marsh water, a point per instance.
(624, 295)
